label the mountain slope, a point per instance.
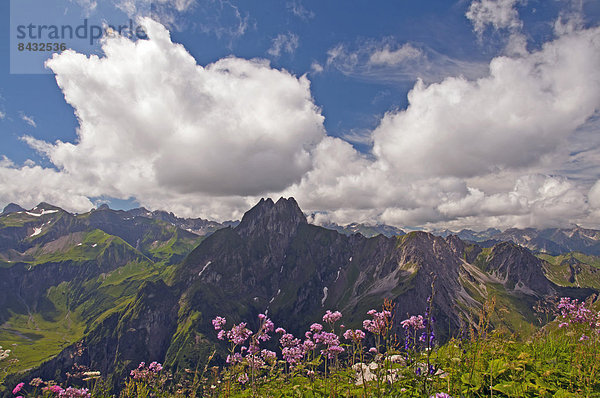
(275, 261)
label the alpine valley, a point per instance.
(109, 289)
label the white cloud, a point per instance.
(437, 162)
(387, 61)
(29, 185)
(500, 14)
(287, 43)
(2, 115)
(524, 110)
(224, 19)
(207, 140)
(299, 10)
(316, 68)
(28, 119)
(165, 130)
(386, 56)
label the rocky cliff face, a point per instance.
(518, 269)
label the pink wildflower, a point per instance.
(239, 333)
(355, 335)
(332, 317)
(18, 388)
(379, 323)
(71, 392)
(243, 378)
(414, 322)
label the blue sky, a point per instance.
(311, 99)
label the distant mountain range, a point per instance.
(366, 230)
(110, 289)
(554, 241)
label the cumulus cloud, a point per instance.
(30, 184)
(521, 112)
(159, 127)
(436, 162)
(284, 42)
(209, 140)
(500, 15)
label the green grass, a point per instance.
(551, 363)
(573, 270)
(89, 247)
(34, 339)
(71, 312)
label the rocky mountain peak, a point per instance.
(456, 244)
(282, 217)
(47, 206)
(518, 268)
(12, 208)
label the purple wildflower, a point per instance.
(239, 333)
(219, 322)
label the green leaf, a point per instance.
(496, 367)
(508, 388)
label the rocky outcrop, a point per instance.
(12, 208)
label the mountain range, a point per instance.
(110, 288)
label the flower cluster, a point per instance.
(379, 323)
(58, 391)
(331, 341)
(354, 335)
(4, 354)
(71, 392)
(53, 389)
(18, 388)
(572, 311)
(415, 322)
(295, 351)
(239, 333)
(219, 322)
(146, 373)
(332, 317)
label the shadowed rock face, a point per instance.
(278, 220)
(520, 269)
